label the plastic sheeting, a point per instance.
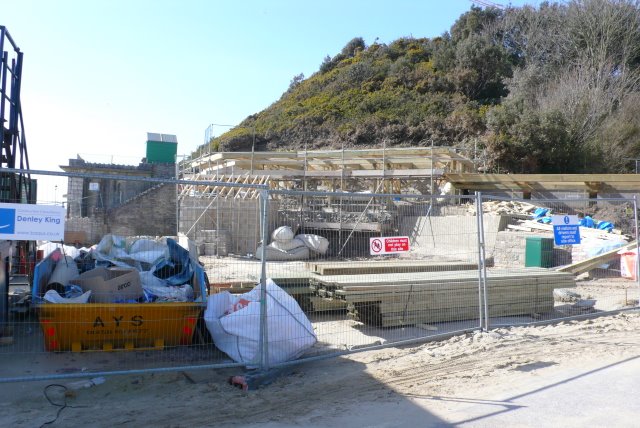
(315, 243)
(166, 268)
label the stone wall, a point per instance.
(93, 228)
(510, 249)
(151, 213)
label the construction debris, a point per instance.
(534, 226)
(503, 208)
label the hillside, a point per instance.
(553, 89)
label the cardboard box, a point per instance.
(110, 285)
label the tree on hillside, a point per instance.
(553, 88)
(583, 67)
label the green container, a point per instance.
(538, 252)
(161, 152)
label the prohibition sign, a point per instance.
(376, 245)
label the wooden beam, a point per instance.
(594, 262)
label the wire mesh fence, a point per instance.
(159, 274)
(579, 255)
(376, 268)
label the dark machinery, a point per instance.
(16, 187)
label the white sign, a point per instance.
(94, 187)
(388, 245)
(566, 229)
(29, 222)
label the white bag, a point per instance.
(273, 254)
(287, 245)
(282, 234)
(234, 324)
(316, 243)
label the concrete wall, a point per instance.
(240, 217)
(450, 236)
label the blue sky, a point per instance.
(99, 74)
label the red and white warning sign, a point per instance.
(388, 245)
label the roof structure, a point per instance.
(408, 163)
(592, 183)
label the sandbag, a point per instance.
(234, 324)
(273, 254)
(282, 234)
(287, 245)
(316, 243)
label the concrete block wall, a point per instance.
(241, 217)
(509, 249)
(452, 236)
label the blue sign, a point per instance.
(7, 221)
(566, 230)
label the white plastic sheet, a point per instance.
(234, 324)
(316, 243)
(274, 254)
(49, 247)
(292, 244)
(52, 296)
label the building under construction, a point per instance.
(233, 211)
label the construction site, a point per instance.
(255, 261)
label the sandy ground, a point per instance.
(567, 374)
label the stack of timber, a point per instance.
(385, 266)
(390, 300)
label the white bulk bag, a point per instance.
(273, 254)
(234, 324)
(287, 245)
(316, 243)
(282, 234)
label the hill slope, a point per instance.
(549, 89)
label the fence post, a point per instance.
(479, 240)
(635, 219)
(482, 267)
(264, 330)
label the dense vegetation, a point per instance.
(550, 89)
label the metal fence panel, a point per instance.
(363, 271)
(377, 269)
(151, 250)
(561, 280)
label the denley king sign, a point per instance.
(29, 222)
